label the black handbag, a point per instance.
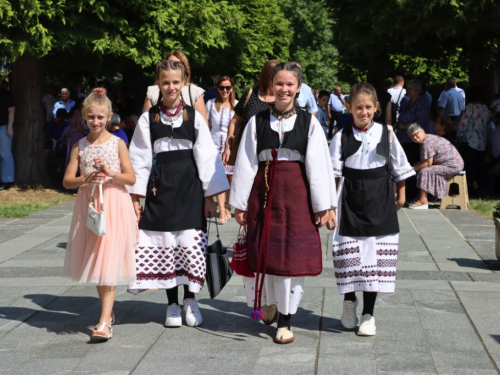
(218, 271)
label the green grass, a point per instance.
(484, 206)
(15, 209)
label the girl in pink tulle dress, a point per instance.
(105, 260)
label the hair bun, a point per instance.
(99, 90)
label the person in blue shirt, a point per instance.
(55, 138)
(453, 103)
(322, 114)
(114, 128)
(65, 102)
(335, 108)
(306, 99)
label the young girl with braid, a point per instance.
(282, 190)
(369, 158)
(179, 190)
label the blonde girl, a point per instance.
(106, 260)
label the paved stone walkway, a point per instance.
(443, 318)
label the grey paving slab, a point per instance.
(343, 365)
(483, 309)
(441, 320)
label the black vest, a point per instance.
(177, 201)
(350, 145)
(160, 130)
(368, 201)
(295, 140)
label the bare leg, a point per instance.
(222, 212)
(228, 207)
(422, 197)
(107, 297)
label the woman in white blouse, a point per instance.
(220, 111)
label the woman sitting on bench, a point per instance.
(439, 160)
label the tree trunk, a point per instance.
(28, 122)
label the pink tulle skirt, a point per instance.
(108, 259)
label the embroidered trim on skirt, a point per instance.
(366, 264)
(169, 259)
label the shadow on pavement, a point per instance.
(471, 263)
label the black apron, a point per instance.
(179, 200)
(368, 201)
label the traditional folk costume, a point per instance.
(282, 177)
(365, 246)
(172, 240)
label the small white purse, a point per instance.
(96, 221)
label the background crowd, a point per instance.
(468, 121)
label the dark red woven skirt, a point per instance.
(294, 248)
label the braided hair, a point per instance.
(167, 65)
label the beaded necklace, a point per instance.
(282, 116)
(171, 117)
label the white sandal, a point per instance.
(418, 207)
(99, 334)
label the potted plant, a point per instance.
(496, 219)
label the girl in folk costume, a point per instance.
(282, 190)
(104, 260)
(220, 111)
(178, 188)
(365, 248)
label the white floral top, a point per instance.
(107, 151)
(473, 126)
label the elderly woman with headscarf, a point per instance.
(439, 160)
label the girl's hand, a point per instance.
(99, 163)
(400, 201)
(241, 217)
(137, 209)
(321, 218)
(331, 224)
(210, 207)
(225, 154)
(94, 178)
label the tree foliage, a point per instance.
(234, 37)
(312, 44)
(431, 39)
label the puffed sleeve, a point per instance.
(336, 154)
(153, 94)
(141, 155)
(245, 168)
(210, 169)
(319, 169)
(401, 169)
